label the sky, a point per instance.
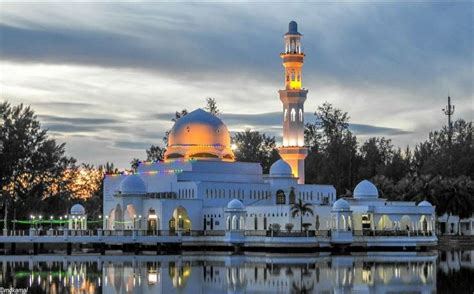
(106, 78)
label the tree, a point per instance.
(458, 199)
(32, 163)
(211, 106)
(435, 156)
(301, 208)
(253, 146)
(376, 154)
(399, 166)
(155, 153)
(134, 164)
(333, 151)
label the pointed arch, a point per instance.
(293, 114)
(180, 219)
(117, 222)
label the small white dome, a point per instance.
(235, 204)
(281, 168)
(425, 203)
(133, 184)
(366, 189)
(341, 204)
(78, 209)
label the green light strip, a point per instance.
(58, 222)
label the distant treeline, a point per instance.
(38, 178)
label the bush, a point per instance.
(306, 226)
(275, 227)
(289, 227)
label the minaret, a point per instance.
(293, 98)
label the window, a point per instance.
(293, 114)
(301, 115)
(285, 115)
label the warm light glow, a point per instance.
(295, 84)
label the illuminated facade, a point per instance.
(201, 187)
(293, 98)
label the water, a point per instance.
(376, 272)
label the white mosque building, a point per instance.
(201, 187)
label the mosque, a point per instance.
(199, 186)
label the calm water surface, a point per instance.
(376, 272)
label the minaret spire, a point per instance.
(293, 98)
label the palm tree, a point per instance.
(301, 208)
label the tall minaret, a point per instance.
(293, 98)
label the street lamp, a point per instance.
(51, 222)
(32, 217)
(106, 222)
(134, 221)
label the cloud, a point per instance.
(66, 128)
(361, 129)
(118, 71)
(142, 146)
(271, 122)
(78, 120)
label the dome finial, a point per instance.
(293, 27)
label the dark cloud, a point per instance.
(63, 125)
(69, 128)
(359, 55)
(361, 129)
(134, 145)
(78, 120)
(383, 43)
(270, 123)
(65, 105)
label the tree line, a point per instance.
(36, 174)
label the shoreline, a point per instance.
(452, 242)
(445, 243)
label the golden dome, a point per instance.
(199, 135)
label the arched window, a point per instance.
(292, 75)
(285, 115)
(292, 196)
(301, 115)
(293, 114)
(280, 197)
(235, 223)
(228, 226)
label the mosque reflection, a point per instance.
(256, 273)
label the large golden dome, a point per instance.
(199, 135)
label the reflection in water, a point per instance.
(366, 273)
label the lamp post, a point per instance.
(32, 217)
(140, 221)
(134, 221)
(51, 222)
